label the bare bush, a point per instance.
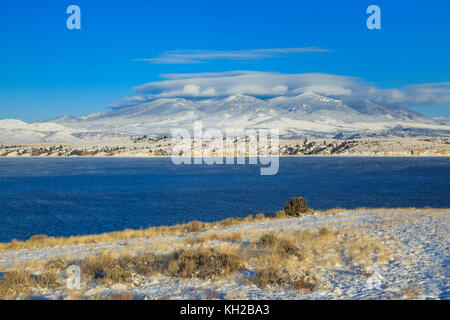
(296, 207)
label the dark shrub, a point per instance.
(302, 285)
(268, 277)
(194, 226)
(268, 240)
(204, 263)
(296, 207)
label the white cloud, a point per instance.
(270, 85)
(262, 84)
(279, 89)
(201, 56)
(325, 90)
(191, 90)
(419, 94)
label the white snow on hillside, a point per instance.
(307, 115)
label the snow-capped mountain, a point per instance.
(305, 115)
(367, 107)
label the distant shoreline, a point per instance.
(281, 156)
(162, 147)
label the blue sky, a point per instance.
(48, 70)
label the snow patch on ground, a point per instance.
(421, 264)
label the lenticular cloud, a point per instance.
(262, 84)
(271, 84)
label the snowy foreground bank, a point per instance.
(349, 254)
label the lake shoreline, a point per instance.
(160, 147)
(246, 157)
(71, 196)
(39, 241)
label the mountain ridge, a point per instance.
(306, 115)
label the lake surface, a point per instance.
(75, 196)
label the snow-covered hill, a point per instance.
(19, 132)
(306, 115)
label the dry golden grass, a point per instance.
(48, 280)
(208, 263)
(271, 276)
(20, 283)
(44, 241)
(219, 236)
(292, 259)
(16, 283)
(107, 269)
(204, 264)
(233, 236)
(282, 246)
(302, 285)
(332, 248)
(236, 295)
(301, 258)
(194, 226)
(298, 258)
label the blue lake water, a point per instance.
(74, 196)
